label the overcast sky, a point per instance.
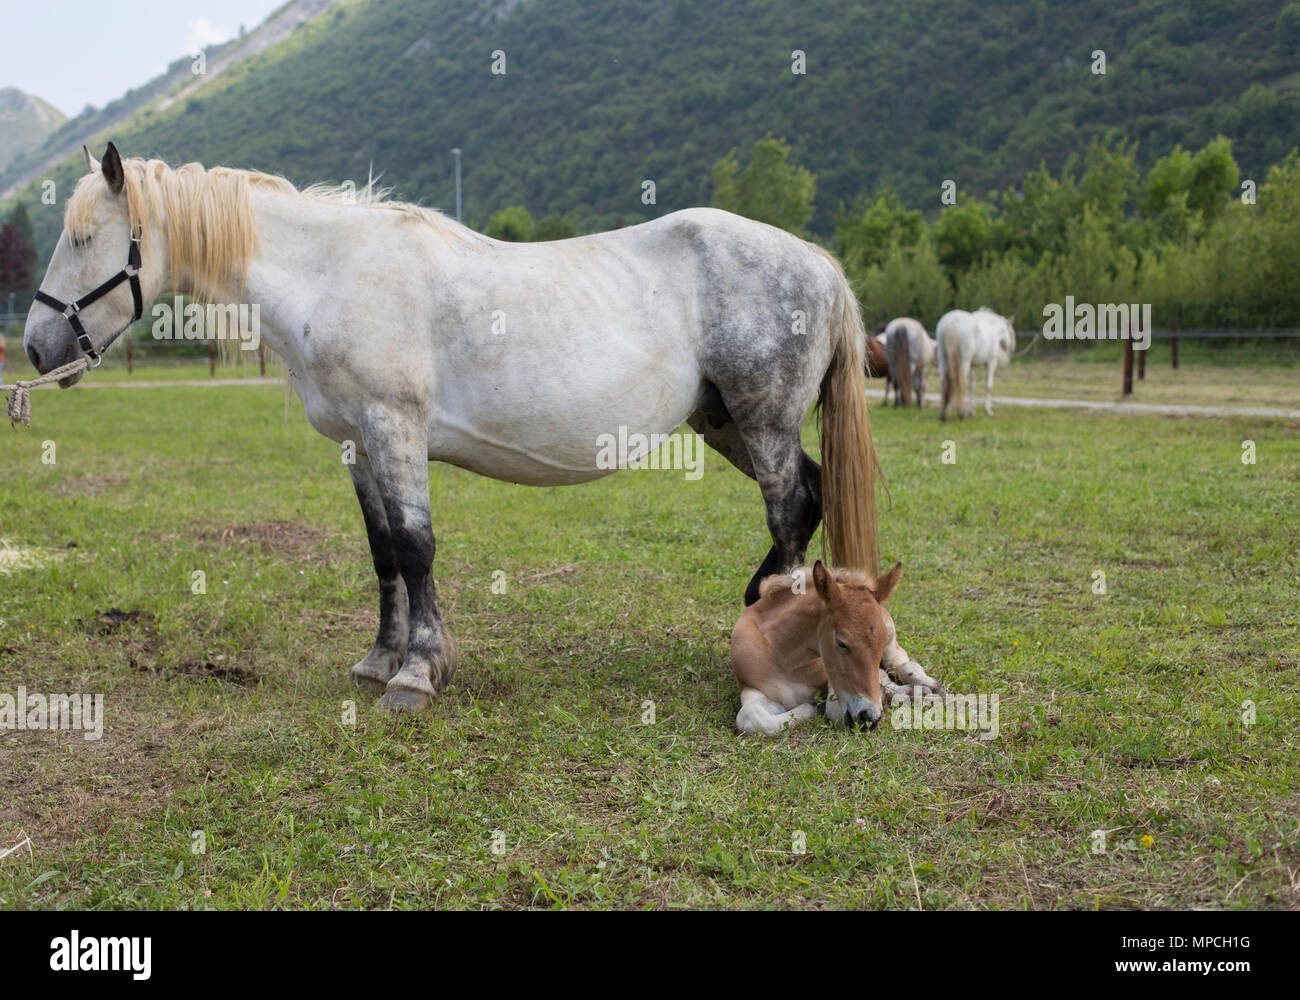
(77, 52)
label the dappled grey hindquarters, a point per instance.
(530, 454)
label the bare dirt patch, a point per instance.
(220, 670)
(285, 541)
(85, 486)
(62, 787)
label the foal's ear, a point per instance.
(884, 586)
(92, 164)
(112, 169)
(823, 581)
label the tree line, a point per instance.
(1203, 245)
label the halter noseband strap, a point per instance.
(70, 310)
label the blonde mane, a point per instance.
(207, 216)
(843, 575)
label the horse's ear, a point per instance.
(92, 165)
(112, 169)
(884, 586)
(823, 581)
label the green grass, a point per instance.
(224, 711)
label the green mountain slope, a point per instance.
(597, 98)
(25, 122)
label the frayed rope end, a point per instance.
(19, 406)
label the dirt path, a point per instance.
(1160, 409)
(1157, 409)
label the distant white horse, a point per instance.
(910, 351)
(963, 340)
(413, 339)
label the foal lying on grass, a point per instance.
(834, 640)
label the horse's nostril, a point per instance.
(864, 719)
(34, 356)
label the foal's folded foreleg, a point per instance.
(911, 676)
(760, 714)
(398, 450)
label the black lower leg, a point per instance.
(792, 521)
(393, 606)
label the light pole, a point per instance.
(456, 153)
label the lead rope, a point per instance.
(19, 406)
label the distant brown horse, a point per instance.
(877, 364)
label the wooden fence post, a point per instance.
(1128, 364)
(1173, 344)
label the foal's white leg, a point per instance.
(907, 671)
(988, 387)
(760, 714)
(890, 692)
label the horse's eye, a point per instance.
(841, 643)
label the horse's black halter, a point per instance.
(129, 273)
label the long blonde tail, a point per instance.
(954, 379)
(849, 460)
(904, 367)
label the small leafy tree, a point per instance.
(513, 224)
(16, 262)
(769, 188)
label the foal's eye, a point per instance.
(842, 644)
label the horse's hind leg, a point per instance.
(398, 451)
(385, 658)
(792, 494)
(790, 482)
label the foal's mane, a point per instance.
(208, 217)
(856, 579)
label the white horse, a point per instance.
(964, 339)
(910, 351)
(416, 339)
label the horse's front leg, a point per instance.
(385, 658)
(398, 450)
(988, 387)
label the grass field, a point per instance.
(226, 722)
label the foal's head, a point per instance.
(852, 634)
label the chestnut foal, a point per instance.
(835, 640)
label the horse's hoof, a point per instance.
(400, 700)
(371, 685)
(376, 670)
